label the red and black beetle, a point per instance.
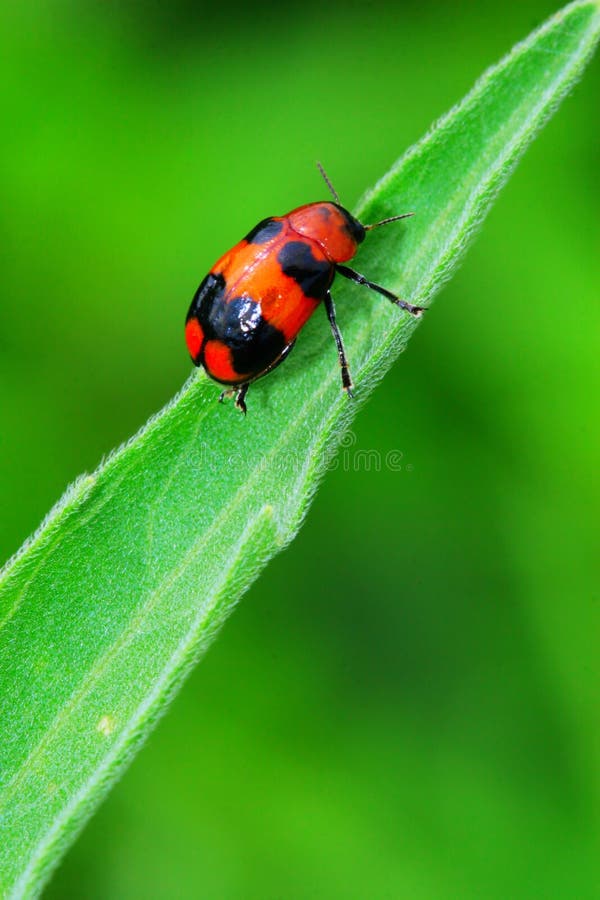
(248, 311)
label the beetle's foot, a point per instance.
(226, 394)
(240, 398)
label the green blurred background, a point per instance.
(405, 705)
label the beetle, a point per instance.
(245, 316)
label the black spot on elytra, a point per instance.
(239, 324)
(314, 276)
(210, 291)
(264, 231)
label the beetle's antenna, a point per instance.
(387, 221)
(328, 183)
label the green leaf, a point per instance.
(105, 609)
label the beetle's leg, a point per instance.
(346, 379)
(239, 393)
(240, 397)
(360, 279)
